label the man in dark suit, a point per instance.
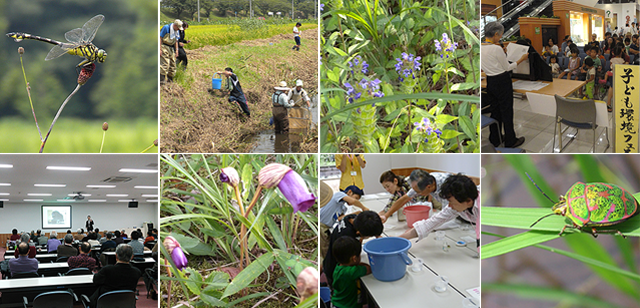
(66, 250)
(121, 276)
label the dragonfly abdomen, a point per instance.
(19, 36)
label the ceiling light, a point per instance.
(7, 166)
(50, 185)
(149, 195)
(5, 184)
(145, 187)
(97, 200)
(62, 168)
(4, 194)
(7, 200)
(83, 194)
(101, 186)
(152, 200)
(130, 170)
(117, 195)
(66, 200)
(32, 200)
(39, 194)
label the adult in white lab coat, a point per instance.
(499, 88)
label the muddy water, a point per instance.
(269, 142)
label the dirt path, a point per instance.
(194, 121)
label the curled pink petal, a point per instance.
(307, 282)
(230, 175)
(272, 174)
(170, 244)
(294, 188)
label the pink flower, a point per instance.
(307, 282)
(229, 175)
(290, 183)
(177, 255)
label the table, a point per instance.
(562, 87)
(461, 266)
(41, 257)
(14, 289)
(53, 269)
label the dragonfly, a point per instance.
(78, 42)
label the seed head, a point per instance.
(105, 126)
(155, 142)
(20, 50)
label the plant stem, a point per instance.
(243, 228)
(104, 133)
(253, 201)
(44, 141)
(147, 149)
(29, 94)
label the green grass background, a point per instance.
(78, 136)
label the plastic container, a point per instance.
(325, 294)
(216, 83)
(416, 213)
(388, 257)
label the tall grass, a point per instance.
(218, 35)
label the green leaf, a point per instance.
(515, 242)
(249, 274)
(467, 127)
(247, 179)
(212, 298)
(450, 134)
(310, 302)
(194, 281)
(547, 294)
(465, 86)
(443, 119)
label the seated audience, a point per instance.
(119, 240)
(26, 238)
(138, 248)
(109, 243)
(83, 259)
(155, 233)
(92, 239)
(42, 239)
(14, 235)
(53, 242)
(150, 237)
(104, 238)
(67, 250)
(121, 276)
(23, 264)
(98, 236)
(80, 235)
(123, 234)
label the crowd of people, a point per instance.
(76, 251)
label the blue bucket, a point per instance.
(325, 294)
(216, 83)
(388, 257)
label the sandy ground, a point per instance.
(195, 121)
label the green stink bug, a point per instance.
(590, 205)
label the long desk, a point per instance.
(14, 289)
(45, 257)
(562, 87)
(460, 265)
(111, 256)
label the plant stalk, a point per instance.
(29, 94)
(44, 141)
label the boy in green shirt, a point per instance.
(346, 250)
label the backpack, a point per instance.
(275, 96)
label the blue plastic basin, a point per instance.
(216, 83)
(388, 257)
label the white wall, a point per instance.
(106, 216)
(622, 10)
(468, 164)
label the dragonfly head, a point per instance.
(101, 56)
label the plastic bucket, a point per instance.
(388, 257)
(325, 294)
(416, 213)
(216, 83)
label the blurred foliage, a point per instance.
(188, 9)
(124, 87)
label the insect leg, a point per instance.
(608, 231)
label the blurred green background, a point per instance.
(123, 90)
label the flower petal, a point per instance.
(179, 259)
(272, 174)
(230, 175)
(294, 188)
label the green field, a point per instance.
(218, 35)
(78, 136)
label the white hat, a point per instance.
(179, 23)
(299, 83)
(282, 86)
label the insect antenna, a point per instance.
(541, 218)
(534, 183)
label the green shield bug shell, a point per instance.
(591, 205)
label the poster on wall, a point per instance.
(626, 99)
(56, 216)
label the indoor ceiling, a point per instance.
(31, 169)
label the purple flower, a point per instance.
(179, 259)
(363, 83)
(365, 67)
(446, 47)
(425, 126)
(438, 47)
(293, 187)
(321, 7)
(229, 175)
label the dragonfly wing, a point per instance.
(58, 51)
(74, 36)
(91, 27)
